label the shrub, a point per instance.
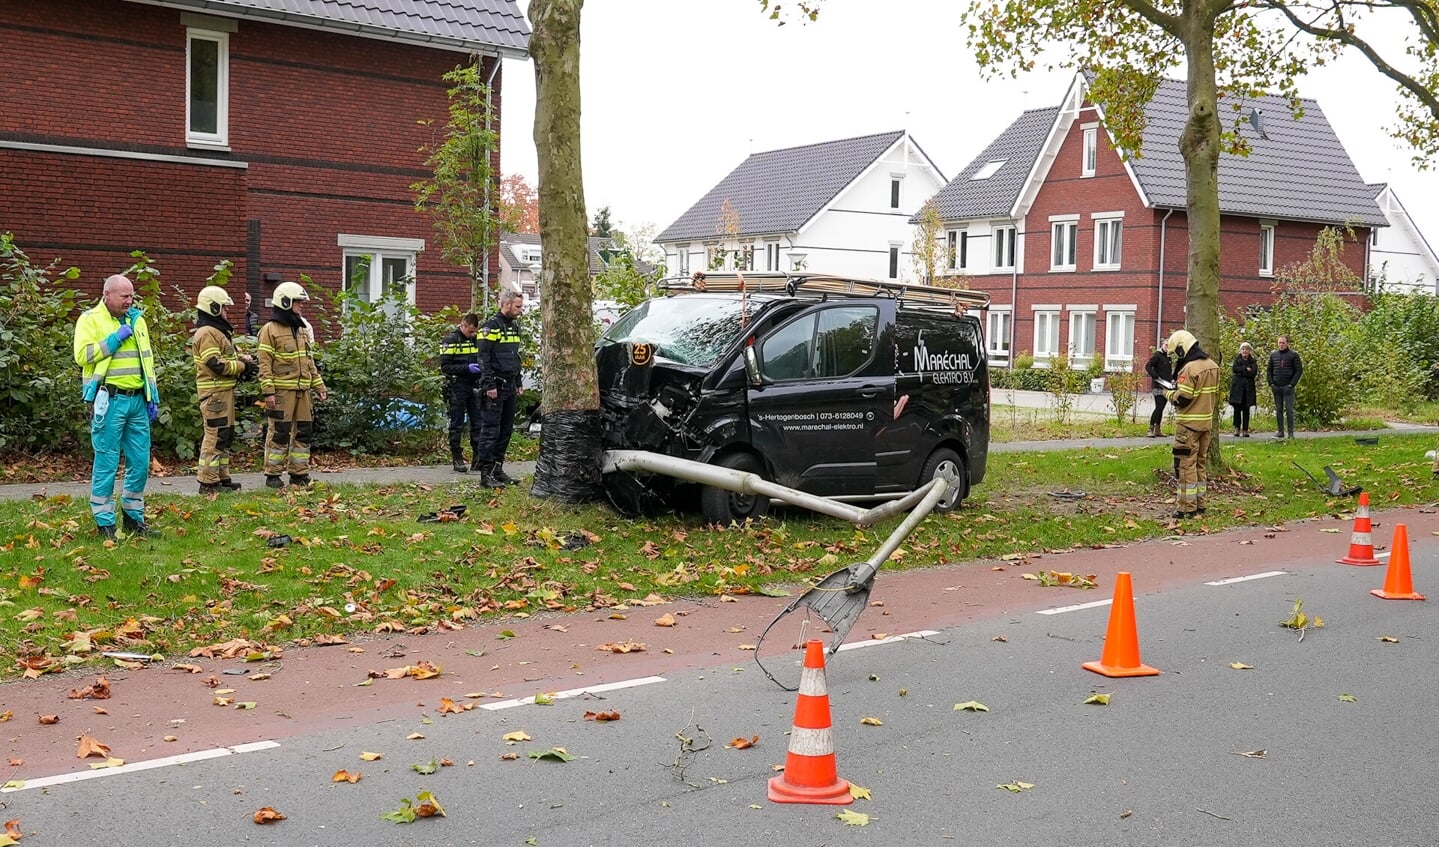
(1321, 329)
(39, 380)
(1123, 393)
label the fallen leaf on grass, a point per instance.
(268, 815)
(743, 743)
(602, 717)
(1016, 786)
(89, 746)
(346, 776)
(971, 706)
(554, 754)
(853, 818)
(1097, 700)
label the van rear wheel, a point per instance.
(945, 464)
(723, 506)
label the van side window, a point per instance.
(845, 341)
(787, 354)
(828, 344)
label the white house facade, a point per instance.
(1400, 258)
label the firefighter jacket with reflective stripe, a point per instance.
(457, 353)
(217, 365)
(286, 361)
(129, 364)
(499, 352)
(1195, 394)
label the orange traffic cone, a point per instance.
(1121, 641)
(1361, 541)
(809, 770)
(1398, 585)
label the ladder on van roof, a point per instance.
(802, 284)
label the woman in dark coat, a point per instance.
(1241, 388)
(1158, 367)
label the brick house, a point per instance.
(1084, 252)
(280, 134)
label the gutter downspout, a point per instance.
(1159, 315)
(489, 187)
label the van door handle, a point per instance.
(869, 392)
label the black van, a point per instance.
(853, 389)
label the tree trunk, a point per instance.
(569, 462)
(1199, 144)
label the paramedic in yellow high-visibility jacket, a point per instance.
(112, 346)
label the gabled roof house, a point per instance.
(521, 252)
(836, 206)
(282, 135)
(1400, 257)
(1084, 251)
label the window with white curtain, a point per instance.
(1118, 340)
(1081, 337)
(1046, 334)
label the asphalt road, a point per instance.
(1157, 766)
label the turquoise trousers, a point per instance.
(124, 428)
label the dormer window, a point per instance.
(988, 170)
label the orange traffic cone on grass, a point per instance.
(1121, 641)
(810, 774)
(1398, 585)
(1361, 541)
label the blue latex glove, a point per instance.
(474, 368)
(153, 410)
(132, 313)
(118, 336)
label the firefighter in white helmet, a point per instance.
(217, 368)
(1194, 395)
(290, 383)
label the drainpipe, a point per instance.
(1159, 315)
(1014, 294)
(489, 187)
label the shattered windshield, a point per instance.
(692, 329)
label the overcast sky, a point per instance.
(676, 94)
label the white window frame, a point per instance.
(379, 249)
(894, 254)
(896, 190)
(1063, 244)
(1266, 248)
(956, 249)
(682, 259)
(1006, 242)
(1089, 157)
(771, 256)
(1046, 317)
(1108, 236)
(1118, 338)
(220, 138)
(998, 328)
(1079, 315)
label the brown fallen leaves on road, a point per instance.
(450, 707)
(622, 647)
(743, 743)
(602, 717)
(49, 720)
(346, 776)
(268, 815)
(99, 691)
(12, 831)
(89, 746)
(666, 619)
(420, 670)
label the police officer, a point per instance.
(460, 363)
(1194, 395)
(217, 368)
(499, 360)
(288, 379)
(112, 346)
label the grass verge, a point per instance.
(360, 560)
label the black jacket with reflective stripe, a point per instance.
(456, 354)
(500, 343)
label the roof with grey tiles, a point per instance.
(993, 197)
(1296, 169)
(778, 191)
(450, 24)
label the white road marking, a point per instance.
(574, 692)
(1075, 608)
(1234, 579)
(149, 764)
(855, 645)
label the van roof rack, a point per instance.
(801, 283)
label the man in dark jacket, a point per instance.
(1285, 368)
(499, 359)
(460, 363)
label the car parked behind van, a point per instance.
(844, 387)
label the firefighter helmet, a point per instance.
(1180, 342)
(212, 298)
(286, 293)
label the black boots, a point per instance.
(139, 529)
(224, 486)
(273, 481)
(503, 478)
(459, 465)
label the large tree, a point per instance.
(1228, 50)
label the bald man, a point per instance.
(112, 346)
